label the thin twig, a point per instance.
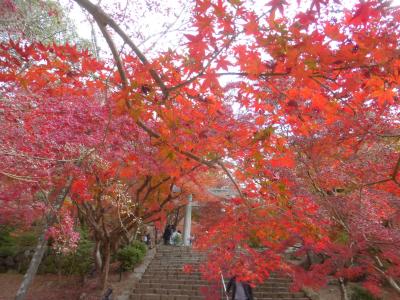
(221, 164)
(18, 177)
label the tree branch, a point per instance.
(103, 19)
(261, 75)
(396, 170)
(18, 177)
(115, 53)
(220, 163)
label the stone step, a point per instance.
(180, 261)
(188, 256)
(171, 271)
(171, 276)
(167, 276)
(197, 292)
(278, 295)
(179, 273)
(165, 279)
(164, 297)
(169, 258)
(167, 292)
(172, 267)
(173, 281)
(196, 285)
(175, 265)
(182, 254)
(167, 286)
(186, 297)
(195, 271)
(179, 256)
(178, 250)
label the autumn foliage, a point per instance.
(298, 108)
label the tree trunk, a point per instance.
(176, 221)
(106, 265)
(42, 243)
(390, 279)
(33, 266)
(393, 284)
(343, 289)
(97, 257)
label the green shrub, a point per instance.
(359, 293)
(139, 245)
(8, 246)
(12, 244)
(49, 264)
(26, 241)
(131, 255)
(78, 262)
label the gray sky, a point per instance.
(144, 20)
(150, 24)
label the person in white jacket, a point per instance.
(176, 237)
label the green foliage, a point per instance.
(49, 264)
(12, 244)
(26, 241)
(139, 245)
(81, 261)
(16, 244)
(254, 242)
(8, 245)
(131, 255)
(359, 293)
(78, 262)
(342, 237)
(37, 20)
(177, 240)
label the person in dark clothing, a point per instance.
(167, 234)
(240, 290)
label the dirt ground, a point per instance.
(55, 287)
(332, 292)
(44, 287)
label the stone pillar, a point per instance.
(188, 222)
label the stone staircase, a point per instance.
(164, 279)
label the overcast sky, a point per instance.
(150, 22)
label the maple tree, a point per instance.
(299, 109)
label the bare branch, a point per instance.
(220, 163)
(115, 54)
(377, 182)
(396, 169)
(103, 19)
(245, 74)
(38, 157)
(18, 177)
(203, 71)
(389, 135)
